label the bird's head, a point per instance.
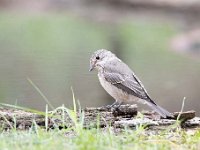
(99, 58)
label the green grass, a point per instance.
(96, 139)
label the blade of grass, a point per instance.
(63, 115)
(74, 101)
(34, 128)
(40, 92)
(15, 123)
(23, 108)
(46, 118)
(182, 107)
(75, 109)
(8, 122)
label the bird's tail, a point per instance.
(161, 111)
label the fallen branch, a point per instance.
(123, 116)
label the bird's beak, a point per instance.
(91, 66)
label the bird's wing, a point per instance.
(126, 84)
(123, 78)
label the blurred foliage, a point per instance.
(54, 50)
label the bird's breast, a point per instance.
(118, 94)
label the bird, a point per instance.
(121, 82)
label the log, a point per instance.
(118, 118)
(19, 119)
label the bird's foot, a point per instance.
(114, 105)
(117, 106)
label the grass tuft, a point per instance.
(40, 92)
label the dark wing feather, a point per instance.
(125, 84)
(123, 78)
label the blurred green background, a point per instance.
(53, 49)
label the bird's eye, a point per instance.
(97, 57)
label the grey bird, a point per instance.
(121, 82)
